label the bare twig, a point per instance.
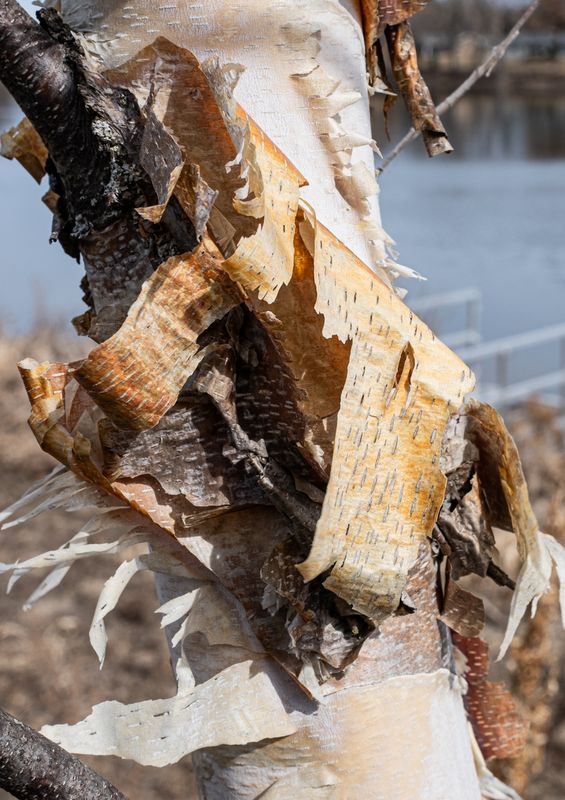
(483, 70)
(33, 768)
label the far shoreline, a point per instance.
(542, 79)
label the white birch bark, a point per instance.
(387, 735)
(304, 83)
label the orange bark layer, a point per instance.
(500, 731)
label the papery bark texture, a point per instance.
(265, 413)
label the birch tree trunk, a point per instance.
(317, 657)
(400, 695)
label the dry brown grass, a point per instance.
(536, 664)
(48, 672)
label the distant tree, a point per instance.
(550, 17)
(457, 17)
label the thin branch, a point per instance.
(483, 70)
(33, 768)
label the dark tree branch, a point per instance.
(32, 68)
(92, 130)
(89, 128)
(33, 768)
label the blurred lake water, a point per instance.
(38, 279)
(491, 215)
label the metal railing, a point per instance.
(493, 361)
(500, 390)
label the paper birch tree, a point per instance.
(261, 408)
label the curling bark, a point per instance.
(311, 631)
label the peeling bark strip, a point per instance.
(483, 70)
(395, 403)
(461, 610)
(390, 17)
(33, 768)
(500, 731)
(379, 13)
(24, 144)
(404, 60)
(156, 349)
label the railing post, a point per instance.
(474, 316)
(502, 369)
